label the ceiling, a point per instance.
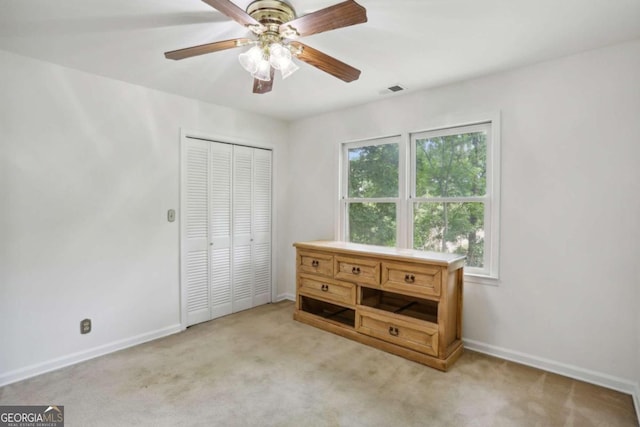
(415, 43)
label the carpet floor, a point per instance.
(261, 368)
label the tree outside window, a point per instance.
(450, 185)
(373, 182)
(449, 204)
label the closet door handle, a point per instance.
(393, 331)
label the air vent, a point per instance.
(392, 89)
(395, 88)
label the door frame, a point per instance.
(206, 136)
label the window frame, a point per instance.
(489, 274)
(485, 199)
(345, 200)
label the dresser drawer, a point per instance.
(328, 290)
(358, 270)
(421, 336)
(315, 263)
(412, 279)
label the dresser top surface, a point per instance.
(385, 251)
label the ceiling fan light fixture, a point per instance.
(263, 71)
(279, 56)
(251, 59)
(288, 32)
(289, 69)
(277, 27)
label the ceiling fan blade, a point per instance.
(337, 16)
(326, 63)
(188, 52)
(260, 86)
(229, 9)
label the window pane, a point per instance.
(450, 227)
(452, 165)
(373, 171)
(372, 223)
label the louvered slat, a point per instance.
(241, 272)
(221, 279)
(197, 191)
(262, 268)
(195, 264)
(197, 281)
(221, 190)
(220, 276)
(262, 192)
(261, 227)
(242, 191)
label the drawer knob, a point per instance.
(325, 288)
(393, 331)
(315, 263)
(409, 278)
(355, 270)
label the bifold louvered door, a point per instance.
(226, 229)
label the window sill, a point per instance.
(481, 280)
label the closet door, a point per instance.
(220, 226)
(261, 227)
(251, 227)
(225, 229)
(195, 231)
(242, 238)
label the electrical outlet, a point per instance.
(85, 326)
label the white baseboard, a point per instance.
(81, 356)
(636, 400)
(575, 372)
(285, 296)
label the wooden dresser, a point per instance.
(402, 301)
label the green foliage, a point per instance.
(372, 223)
(446, 166)
(373, 173)
(450, 227)
(451, 166)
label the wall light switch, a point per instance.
(171, 215)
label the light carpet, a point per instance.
(261, 368)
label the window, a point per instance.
(447, 202)
(371, 191)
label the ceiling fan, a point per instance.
(276, 26)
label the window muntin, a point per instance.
(371, 191)
(449, 194)
(446, 199)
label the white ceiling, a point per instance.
(416, 43)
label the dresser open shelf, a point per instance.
(390, 302)
(328, 311)
(402, 301)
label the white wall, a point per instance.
(570, 207)
(88, 169)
